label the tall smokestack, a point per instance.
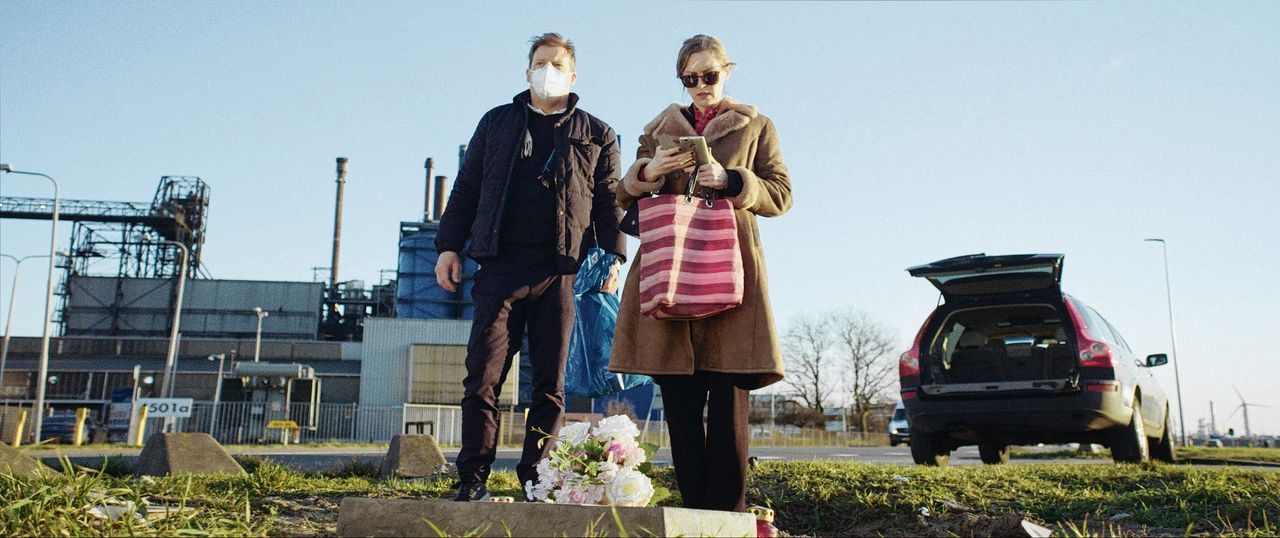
(426, 201)
(442, 195)
(337, 230)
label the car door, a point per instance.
(976, 275)
(1154, 400)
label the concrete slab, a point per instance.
(195, 453)
(409, 517)
(412, 456)
(15, 463)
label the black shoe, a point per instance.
(472, 491)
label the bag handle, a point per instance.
(707, 194)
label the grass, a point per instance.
(1029, 454)
(1264, 455)
(818, 498)
(811, 498)
(1269, 455)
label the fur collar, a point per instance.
(733, 116)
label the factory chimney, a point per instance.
(337, 232)
(442, 195)
(426, 201)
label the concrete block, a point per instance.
(412, 456)
(13, 462)
(409, 517)
(195, 453)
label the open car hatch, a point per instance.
(980, 274)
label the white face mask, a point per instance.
(549, 83)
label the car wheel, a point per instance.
(992, 454)
(930, 449)
(1130, 443)
(1163, 448)
(893, 442)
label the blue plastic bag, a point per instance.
(587, 372)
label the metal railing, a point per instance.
(246, 423)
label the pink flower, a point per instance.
(616, 452)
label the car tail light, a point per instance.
(1093, 353)
(908, 394)
(909, 362)
(1102, 387)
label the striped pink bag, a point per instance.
(691, 266)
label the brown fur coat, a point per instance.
(743, 340)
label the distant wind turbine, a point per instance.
(1244, 406)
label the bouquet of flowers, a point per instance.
(601, 465)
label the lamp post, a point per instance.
(1173, 338)
(171, 359)
(217, 393)
(257, 338)
(48, 302)
(8, 324)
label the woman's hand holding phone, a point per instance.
(667, 160)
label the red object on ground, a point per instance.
(764, 522)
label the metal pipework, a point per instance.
(426, 201)
(337, 230)
(442, 195)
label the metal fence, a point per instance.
(246, 423)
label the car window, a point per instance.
(899, 414)
(1097, 327)
(1119, 339)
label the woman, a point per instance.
(713, 362)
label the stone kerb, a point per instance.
(410, 517)
(412, 456)
(194, 453)
(15, 463)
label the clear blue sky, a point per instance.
(913, 132)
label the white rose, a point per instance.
(635, 455)
(608, 470)
(576, 433)
(617, 427)
(630, 488)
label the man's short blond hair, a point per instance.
(552, 39)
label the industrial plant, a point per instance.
(137, 316)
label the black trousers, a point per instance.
(507, 303)
(710, 459)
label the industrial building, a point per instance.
(344, 361)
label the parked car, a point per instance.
(61, 428)
(1009, 359)
(899, 431)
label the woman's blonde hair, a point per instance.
(700, 43)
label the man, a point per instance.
(535, 191)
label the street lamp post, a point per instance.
(1173, 338)
(8, 324)
(48, 303)
(257, 339)
(217, 393)
(171, 359)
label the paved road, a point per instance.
(327, 458)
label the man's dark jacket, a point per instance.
(585, 168)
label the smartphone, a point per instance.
(698, 144)
(694, 144)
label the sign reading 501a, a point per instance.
(167, 407)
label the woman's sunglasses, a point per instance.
(710, 78)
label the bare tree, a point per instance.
(807, 348)
(866, 349)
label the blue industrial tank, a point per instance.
(417, 293)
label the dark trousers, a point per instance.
(710, 459)
(506, 304)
